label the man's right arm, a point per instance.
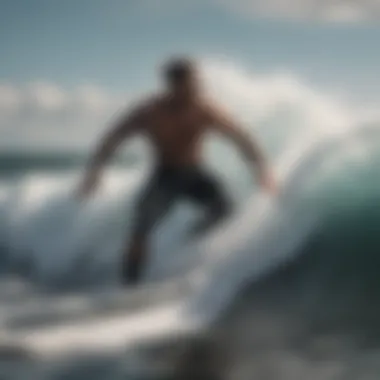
(126, 127)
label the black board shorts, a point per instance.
(168, 185)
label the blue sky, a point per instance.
(117, 44)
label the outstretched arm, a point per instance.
(251, 149)
(125, 128)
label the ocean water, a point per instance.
(287, 288)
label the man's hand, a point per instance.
(268, 182)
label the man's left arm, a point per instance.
(249, 146)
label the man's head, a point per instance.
(181, 77)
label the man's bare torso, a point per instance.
(176, 131)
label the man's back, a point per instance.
(175, 130)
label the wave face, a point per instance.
(335, 179)
(304, 262)
(314, 312)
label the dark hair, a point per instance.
(178, 70)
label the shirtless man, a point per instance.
(175, 123)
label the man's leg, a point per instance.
(134, 259)
(216, 211)
(209, 193)
(153, 205)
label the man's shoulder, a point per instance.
(145, 102)
(209, 107)
(145, 105)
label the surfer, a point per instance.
(175, 123)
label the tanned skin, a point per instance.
(175, 124)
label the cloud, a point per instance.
(325, 10)
(43, 113)
(9, 99)
(93, 100)
(335, 11)
(275, 97)
(44, 96)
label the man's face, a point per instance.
(188, 87)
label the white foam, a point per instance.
(116, 332)
(268, 232)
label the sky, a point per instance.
(68, 66)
